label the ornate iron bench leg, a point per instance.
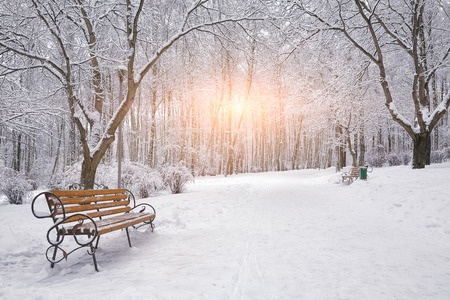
(128, 236)
(96, 243)
(92, 251)
(93, 256)
(52, 264)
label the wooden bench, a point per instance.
(86, 215)
(351, 175)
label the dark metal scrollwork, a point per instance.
(60, 231)
(56, 208)
(142, 209)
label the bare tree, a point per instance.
(79, 43)
(385, 30)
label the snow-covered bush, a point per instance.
(255, 169)
(176, 177)
(68, 179)
(446, 153)
(378, 157)
(211, 171)
(141, 180)
(394, 159)
(439, 156)
(406, 158)
(14, 185)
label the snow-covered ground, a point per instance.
(285, 235)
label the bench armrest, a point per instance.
(52, 210)
(75, 221)
(144, 208)
(59, 231)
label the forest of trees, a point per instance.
(221, 86)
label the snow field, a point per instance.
(286, 235)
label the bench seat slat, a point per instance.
(111, 224)
(134, 219)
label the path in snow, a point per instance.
(287, 237)
(290, 235)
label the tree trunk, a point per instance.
(421, 151)
(88, 171)
(341, 148)
(58, 148)
(362, 148)
(152, 139)
(18, 157)
(298, 136)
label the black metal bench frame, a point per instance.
(86, 215)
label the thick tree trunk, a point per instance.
(421, 151)
(88, 171)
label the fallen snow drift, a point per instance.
(279, 235)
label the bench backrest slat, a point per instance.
(90, 199)
(355, 171)
(94, 203)
(70, 209)
(86, 193)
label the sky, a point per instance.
(279, 235)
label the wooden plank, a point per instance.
(71, 209)
(111, 224)
(132, 219)
(87, 200)
(102, 213)
(87, 193)
(354, 172)
(101, 198)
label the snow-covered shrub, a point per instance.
(378, 157)
(406, 158)
(394, 159)
(211, 171)
(255, 169)
(33, 183)
(446, 153)
(14, 185)
(141, 180)
(68, 179)
(176, 177)
(439, 156)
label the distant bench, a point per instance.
(350, 175)
(86, 215)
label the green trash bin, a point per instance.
(363, 173)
